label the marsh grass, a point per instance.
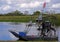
(28, 18)
(28, 41)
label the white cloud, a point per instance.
(6, 7)
(9, 1)
(48, 1)
(27, 3)
(33, 4)
(56, 5)
(30, 5)
(0, 8)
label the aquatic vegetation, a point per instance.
(55, 19)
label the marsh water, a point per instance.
(16, 26)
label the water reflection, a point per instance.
(15, 23)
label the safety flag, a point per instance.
(44, 4)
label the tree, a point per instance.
(15, 13)
(36, 13)
(26, 13)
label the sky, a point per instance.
(29, 5)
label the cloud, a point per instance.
(56, 5)
(6, 7)
(26, 3)
(48, 1)
(30, 5)
(9, 1)
(33, 4)
(0, 8)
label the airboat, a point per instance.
(44, 34)
(45, 31)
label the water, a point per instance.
(6, 26)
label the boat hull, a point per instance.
(32, 38)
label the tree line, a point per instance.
(19, 13)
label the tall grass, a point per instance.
(16, 18)
(27, 19)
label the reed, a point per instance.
(28, 18)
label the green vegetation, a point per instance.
(36, 41)
(18, 16)
(55, 19)
(36, 13)
(19, 13)
(28, 18)
(28, 41)
(52, 18)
